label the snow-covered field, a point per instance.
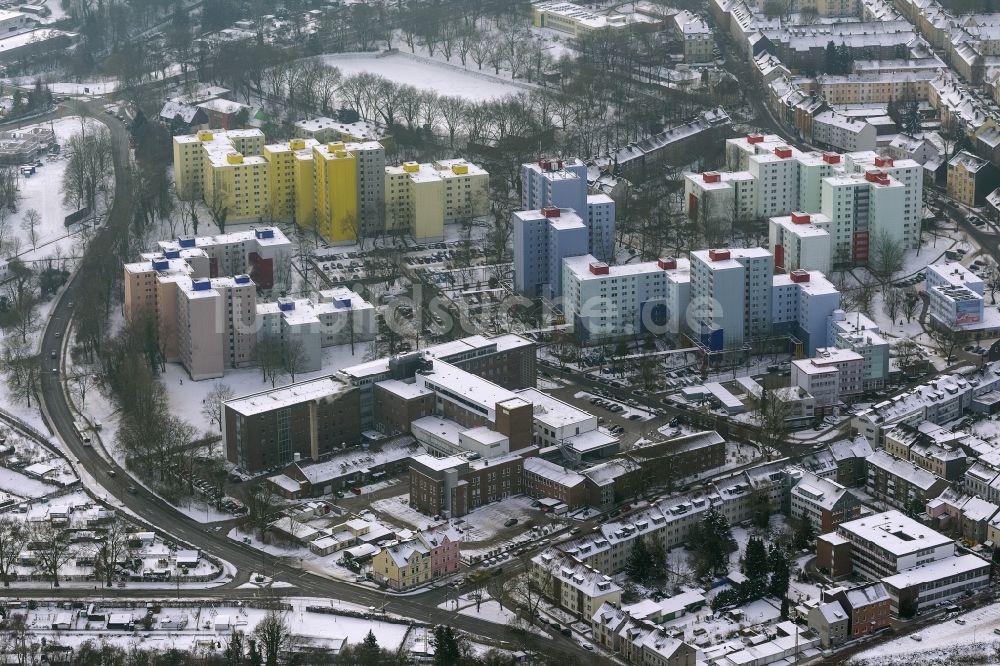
(943, 642)
(444, 78)
(41, 192)
(187, 397)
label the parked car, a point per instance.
(510, 522)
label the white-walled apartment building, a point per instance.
(801, 305)
(906, 171)
(887, 543)
(730, 295)
(719, 199)
(607, 302)
(800, 240)
(855, 331)
(833, 376)
(860, 208)
(340, 316)
(955, 294)
(842, 132)
(216, 324)
(263, 253)
(861, 193)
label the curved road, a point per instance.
(113, 477)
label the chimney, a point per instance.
(599, 268)
(877, 177)
(667, 263)
(831, 158)
(801, 218)
(718, 255)
(799, 276)
(883, 162)
(711, 177)
(550, 212)
(754, 138)
(784, 152)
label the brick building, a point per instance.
(455, 485)
(310, 419)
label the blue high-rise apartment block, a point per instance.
(558, 184)
(542, 239)
(563, 184)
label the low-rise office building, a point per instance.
(310, 419)
(880, 545)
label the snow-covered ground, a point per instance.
(943, 642)
(15, 483)
(442, 77)
(187, 397)
(41, 192)
(97, 87)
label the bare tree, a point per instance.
(771, 421)
(273, 636)
(911, 302)
(112, 549)
(214, 403)
(907, 354)
(892, 300)
(886, 257)
(531, 594)
(51, 549)
(13, 537)
(21, 369)
(499, 588)
(293, 358)
(82, 382)
(218, 206)
(32, 218)
(261, 507)
(89, 168)
(269, 358)
(945, 341)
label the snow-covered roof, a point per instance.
(449, 380)
(895, 533)
(833, 612)
(552, 412)
(818, 491)
(556, 474)
(955, 565)
(865, 595)
(309, 391)
(903, 469)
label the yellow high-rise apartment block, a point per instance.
(333, 188)
(283, 175)
(335, 193)
(341, 190)
(421, 198)
(225, 169)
